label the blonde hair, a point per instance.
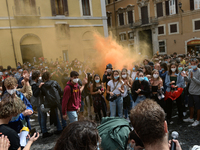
(10, 82)
(159, 78)
(11, 105)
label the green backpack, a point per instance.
(114, 133)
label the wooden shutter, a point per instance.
(176, 3)
(167, 8)
(65, 5)
(130, 17)
(191, 4)
(197, 25)
(109, 21)
(33, 7)
(53, 7)
(144, 14)
(121, 19)
(159, 8)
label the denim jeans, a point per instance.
(64, 123)
(131, 102)
(73, 116)
(42, 118)
(139, 99)
(118, 103)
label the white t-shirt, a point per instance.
(133, 75)
(112, 86)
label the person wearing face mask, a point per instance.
(194, 98)
(16, 123)
(107, 74)
(36, 85)
(127, 91)
(5, 74)
(140, 89)
(134, 72)
(71, 102)
(97, 90)
(116, 87)
(156, 88)
(162, 73)
(173, 81)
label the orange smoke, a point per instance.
(109, 51)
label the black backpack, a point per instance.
(52, 97)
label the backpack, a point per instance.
(52, 98)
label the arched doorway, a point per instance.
(31, 47)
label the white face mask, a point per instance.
(75, 80)
(124, 76)
(40, 78)
(11, 92)
(173, 69)
(155, 76)
(109, 70)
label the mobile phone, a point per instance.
(32, 132)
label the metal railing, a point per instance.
(24, 12)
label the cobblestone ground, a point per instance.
(188, 136)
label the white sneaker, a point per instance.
(188, 120)
(196, 123)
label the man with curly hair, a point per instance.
(16, 122)
(10, 106)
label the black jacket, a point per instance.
(136, 85)
(105, 80)
(37, 92)
(51, 89)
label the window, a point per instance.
(161, 30)
(173, 28)
(62, 30)
(121, 19)
(131, 35)
(109, 21)
(130, 16)
(86, 7)
(25, 7)
(196, 25)
(162, 47)
(172, 7)
(107, 2)
(159, 9)
(144, 15)
(196, 4)
(122, 36)
(59, 7)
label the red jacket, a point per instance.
(71, 101)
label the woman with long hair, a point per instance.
(156, 88)
(97, 90)
(116, 87)
(174, 80)
(147, 70)
(127, 91)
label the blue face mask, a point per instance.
(194, 67)
(97, 81)
(133, 69)
(189, 64)
(116, 77)
(180, 68)
(162, 69)
(141, 78)
(130, 147)
(166, 62)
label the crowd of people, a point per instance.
(71, 90)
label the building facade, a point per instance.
(167, 26)
(49, 29)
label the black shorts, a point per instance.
(194, 101)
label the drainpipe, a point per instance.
(11, 33)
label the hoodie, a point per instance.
(71, 98)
